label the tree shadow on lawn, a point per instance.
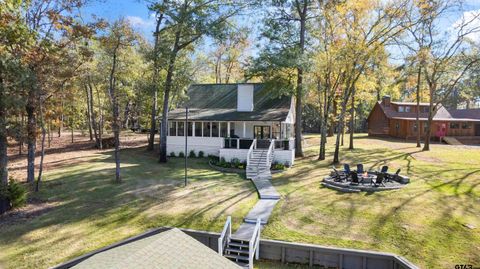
(86, 192)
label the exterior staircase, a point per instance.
(238, 250)
(259, 164)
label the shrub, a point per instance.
(200, 154)
(172, 154)
(223, 163)
(192, 154)
(278, 166)
(235, 163)
(287, 164)
(181, 154)
(15, 193)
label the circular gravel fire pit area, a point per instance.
(368, 182)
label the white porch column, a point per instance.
(193, 129)
(228, 128)
(244, 129)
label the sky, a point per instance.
(137, 13)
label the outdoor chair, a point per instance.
(337, 176)
(394, 176)
(384, 169)
(360, 168)
(379, 180)
(346, 169)
(354, 178)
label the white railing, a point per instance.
(254, 244)
(250, 150)
(225, 235)
(270, 152)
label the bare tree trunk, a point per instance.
(417, 121)
(299, 93)
(166, 98)
(323, 135)
(100, 123)
(31, 135)
(3, 133)
(115, 123)
(71, 129)
(60, 124)
(352, 120)
(428, 133)
(42, 152)
(49, 134)
(341, 123)
(89, 113)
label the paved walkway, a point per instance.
(262, 209)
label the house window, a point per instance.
(172, 127)
(397, 126)
(466, 125)
(425, 127)
(415, 127)
(223, 129)
(215, 129)
(401, 109)
(425, 109)
(408, 109)
(181, 129)
(189, 128)
(198, 128)
(206, 129)
(454, 125)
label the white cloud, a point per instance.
(138, 22)
(471, 20)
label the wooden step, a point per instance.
(236, 257)
(240, 245)
(244, 251)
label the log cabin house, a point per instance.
(398, 119)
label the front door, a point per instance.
(261, 132)
(477, 129)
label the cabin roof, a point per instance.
(169, 249)
(218, 102)
(442, 113)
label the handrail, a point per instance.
(225, 235)
(252, 146)
(253, 245)
(270, 151)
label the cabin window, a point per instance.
(408, 109)
(425, 109)
(206, 129)
(397, 126)
(466, 125)
(181, 129)
(223, 129)
(401, 109)
(214, 129)
(454, 125)
(415, 127)
(189, 128)
(172, 127)
(198, 128)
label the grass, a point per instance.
(89, 211)
(425, 221)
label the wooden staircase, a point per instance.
(259, 161)
(238, 250)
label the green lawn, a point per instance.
(425, 221)
(89, 211)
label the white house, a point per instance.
(233, 121)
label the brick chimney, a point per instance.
(386, 100)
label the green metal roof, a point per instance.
(169, 249)
(218, 102)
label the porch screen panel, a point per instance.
(223, 129)
(198, 128)
(189, 128)
(276, 131)
(206, 129)
(232, 129)
(215, 129)
(181, 128)
(172, 126)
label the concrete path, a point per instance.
(263, 208)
